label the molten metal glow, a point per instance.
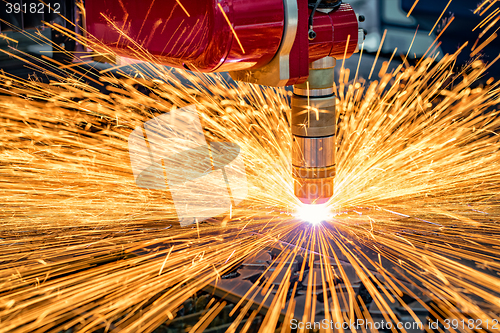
(314, 214)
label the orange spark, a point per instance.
(378, 53)
(439, 18)
(481, 6)
(483, 45)
(231, 26)
(411, 9)
(486, 9)
(184, 9)
(486, 19)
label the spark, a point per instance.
(486, 19)
(184, 9)
(411, 44)
(378, 53)
(483, 44)
(480, 6)
(412, 7)
(487, 8)
(231, 26)
(359, 61)
(345, 53)
(439, 18)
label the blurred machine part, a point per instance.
(21, 19)
(390, 15)
(460, 31)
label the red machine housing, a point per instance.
(196, 35)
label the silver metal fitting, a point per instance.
(313, 129)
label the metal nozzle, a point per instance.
(313, 129)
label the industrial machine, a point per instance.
(267, 42)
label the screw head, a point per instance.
(312, 34)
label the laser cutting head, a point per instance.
(267, 42)
(313, 131)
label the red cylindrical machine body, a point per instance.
(333, 30)
(203, 40)
(197, 35)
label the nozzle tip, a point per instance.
(313, 191)
(316, 201)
